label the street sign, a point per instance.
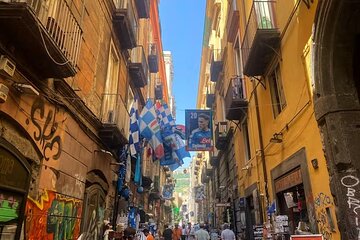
(222, 204)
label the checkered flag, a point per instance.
(150, 129)
(134, 136)
(164, 115)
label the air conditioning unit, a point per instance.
(4, 90)
(6, 66)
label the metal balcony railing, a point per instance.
(114, 113)
(60, 23)
(261, 29)
(153, 58)
(216, 64)
(235, 101)
(223, 133)
(125, 12)
(143, 8)
(138, 67)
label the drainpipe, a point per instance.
(261, 144)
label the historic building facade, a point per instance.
(70, 71)
(285, 128)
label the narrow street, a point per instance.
(179, 120)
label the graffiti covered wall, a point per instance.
(323, 205)
(53, 217)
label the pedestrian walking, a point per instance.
(176, 232)
(183, 232)
(202, 234)
(167, 233)
(148, 235)
(227, 234)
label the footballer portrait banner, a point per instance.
(198, 130)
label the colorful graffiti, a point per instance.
(53, 217)
(323, 203)
(9, 207)
(46, 129)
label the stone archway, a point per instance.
(337, 109)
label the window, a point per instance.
(277, 91)
(110, 96)
(245, 132)
(238, 65)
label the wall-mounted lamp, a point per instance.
(247, 167)
(25, 88)
(104, 151)
(277, 138)
(315, 163)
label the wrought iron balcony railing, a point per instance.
(261, 39)
(158, 91)
(235, 102)
(115, 119)
(126, 24)
(47, 33)
(143, 8)
(210, 99)
(223, 133)
(216, 65)
(138, 67)
(153, 58)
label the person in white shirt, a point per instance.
(227, 234)
(201, 234)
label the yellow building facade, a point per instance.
(257, 75)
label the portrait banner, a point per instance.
(198, 130)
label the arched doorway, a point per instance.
(337, 109)
(94, 204)
(14, 187)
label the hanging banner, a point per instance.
(199, 193)
(198, 127)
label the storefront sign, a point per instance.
(289, 180)
(222, 204)
(307, 237)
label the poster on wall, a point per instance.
(198, 126)
(307, 237)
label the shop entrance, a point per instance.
(293, 205)
(14, 186)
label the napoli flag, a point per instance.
(134, 135)
(150, 129)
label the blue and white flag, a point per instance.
(164, 115)
(134, 136)
(150, 129)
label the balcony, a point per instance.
(115, 121)
(138, 67)
(235, 103)
(153, 59)
(210, 99)
(233, 22)
(223, 134)
(44, 35)
(261, 39)
(209, 172)
(204, 177)
(158, 92)
(143, 8)
(214, 161)
(125, 23)
(216, 65)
